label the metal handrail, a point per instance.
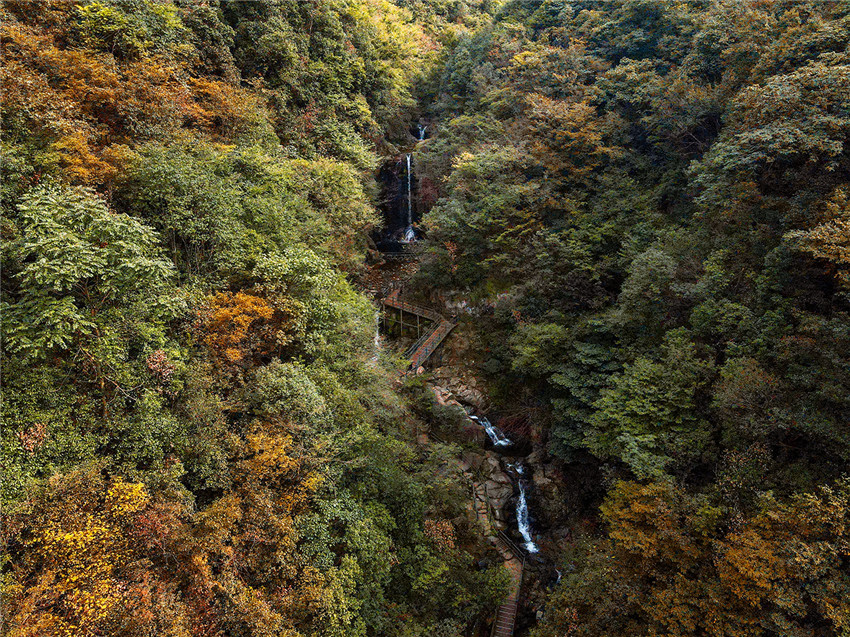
(518, 552)
(415, 309)
(436, 336)
(426, 344)
(393, 300)
(410, 351)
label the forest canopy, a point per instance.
(641, 206)
(648, 202)
(196, 439)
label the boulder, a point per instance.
(493, 463)
(471, 396)
(472, 461)
(499, 493)
(501, 477)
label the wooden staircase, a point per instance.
(512, 556)
(425, 346)
(515, 563)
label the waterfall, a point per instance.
(376, 342)
(495, 434)
(522, 521)
(409, 232)
(422, 130)
(409, 193)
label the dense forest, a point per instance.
(636, 211)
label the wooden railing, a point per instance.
(419, 352)
(431, 343)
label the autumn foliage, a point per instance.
(196, 440)
(242, 328)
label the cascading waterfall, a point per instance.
(499, 439)
(522, 519)
(422, 130)
(494, 433)
(409, 232)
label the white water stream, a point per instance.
(522, 519)
(494, 433)
(499, 439)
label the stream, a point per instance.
(501, 441)
(509, 481)
(398, 186)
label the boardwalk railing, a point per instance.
(393, 300)
(518, 552)
(506, 615)
(419, 352)
(419, 342)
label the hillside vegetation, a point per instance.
(643, 204)
(649, 203)
(196, 441)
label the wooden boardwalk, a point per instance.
(512, 556)
(425, 346)
(515, 563)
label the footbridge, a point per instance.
(431, 327)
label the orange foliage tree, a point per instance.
(672, 566)
(243, 328)
(82, 570)
(88, 105)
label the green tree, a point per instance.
(80, 269)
